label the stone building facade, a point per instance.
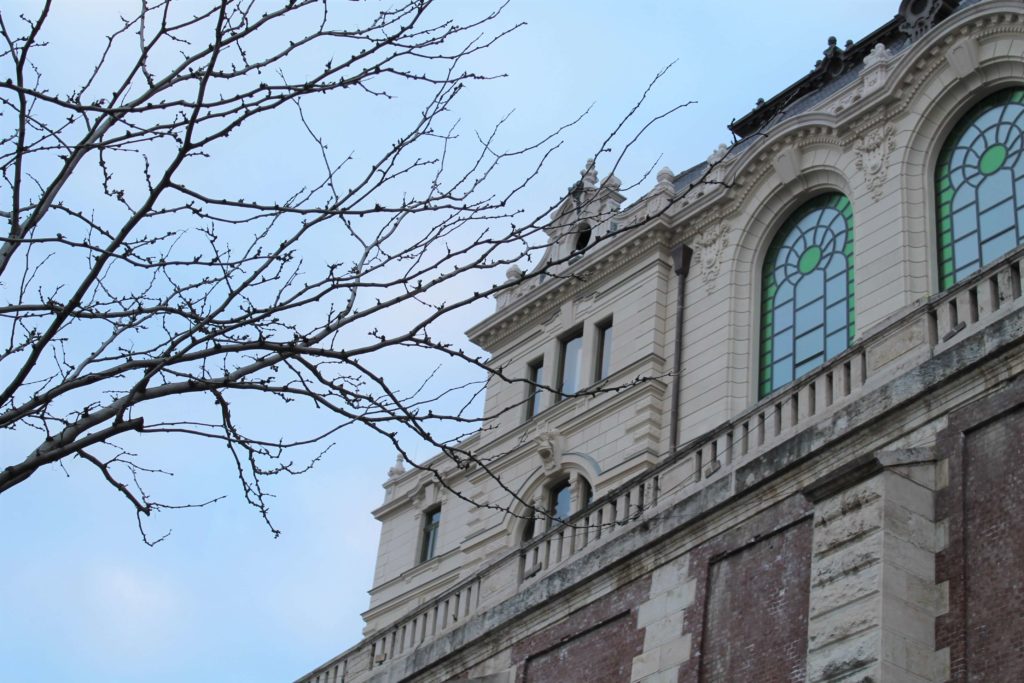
(782, 435)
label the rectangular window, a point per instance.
(535, 373)
(603, 357)
(431, 523)
(569, 364)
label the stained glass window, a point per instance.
(979, 185)
(807, 291)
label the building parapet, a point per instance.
(722, 463)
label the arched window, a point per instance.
(979, 185)
(556, 505)
(807, 291)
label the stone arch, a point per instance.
(765, 211)
(577, 467)
(949, 93)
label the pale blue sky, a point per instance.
(84, 600)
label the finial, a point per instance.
(589, 174)
(398, 468)
(665, 175)
(612, 183)
(718, 154)
(513, 272)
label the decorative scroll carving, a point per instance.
(873, 157)
(709, 248)
(920, 15)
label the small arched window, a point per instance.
(807, 291)
(979, 185)
(583, 233)
(556, 505)
(560, 500)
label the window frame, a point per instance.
(573, 335)
(775, 258)
(603, 344)
(430, 529)
(944, 266)
(534, 387)
(580, 494)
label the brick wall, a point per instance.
(984, 561)
(595, 643)
(749, 617)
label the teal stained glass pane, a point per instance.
(807, 291)
(979, 187)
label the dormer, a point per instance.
(584, 218)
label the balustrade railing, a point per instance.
(912, 338)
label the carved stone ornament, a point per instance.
(787, 165)
(708, 250)
(716, 171)
(963, 57)
(718, 154)
(546, 441)
(873, 157)
(398, 468)
(920, 15)
(879, 53)
(873, 76)
(425, 493)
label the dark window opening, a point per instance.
(603, 357)
(431, 524)
(569, 363)
(560, 501)
(582, 237)
(535, 372)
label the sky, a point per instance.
(84, 599)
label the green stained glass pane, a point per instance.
(981, 173)
(800, 266)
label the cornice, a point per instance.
(907, 72)
(517, 443)
(496, 330)
(912, 69)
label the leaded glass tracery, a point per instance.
(807, 291)
(979, 184)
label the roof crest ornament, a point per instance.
(918, 16)
(398, 469)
